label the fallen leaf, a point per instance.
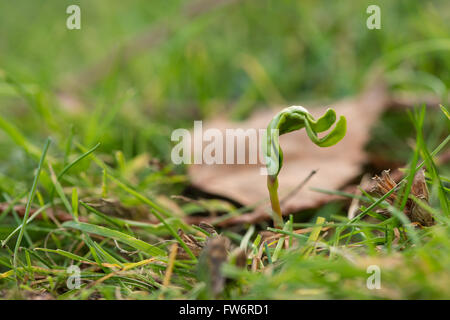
(213, 256)
(336, 166)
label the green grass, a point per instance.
(107, 126)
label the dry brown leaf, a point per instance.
(419, 190)
(336, 165)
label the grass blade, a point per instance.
(30, 200)
(117, 235)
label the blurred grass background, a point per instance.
(230, 59)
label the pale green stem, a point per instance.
(272, 185)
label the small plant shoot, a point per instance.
(291, 119)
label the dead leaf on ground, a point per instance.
(336, 165)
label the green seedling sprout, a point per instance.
(288, 120)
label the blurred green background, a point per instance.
(138, 69)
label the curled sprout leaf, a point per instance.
(288, 120)
(296, 118)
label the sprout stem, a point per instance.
(272, 186)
